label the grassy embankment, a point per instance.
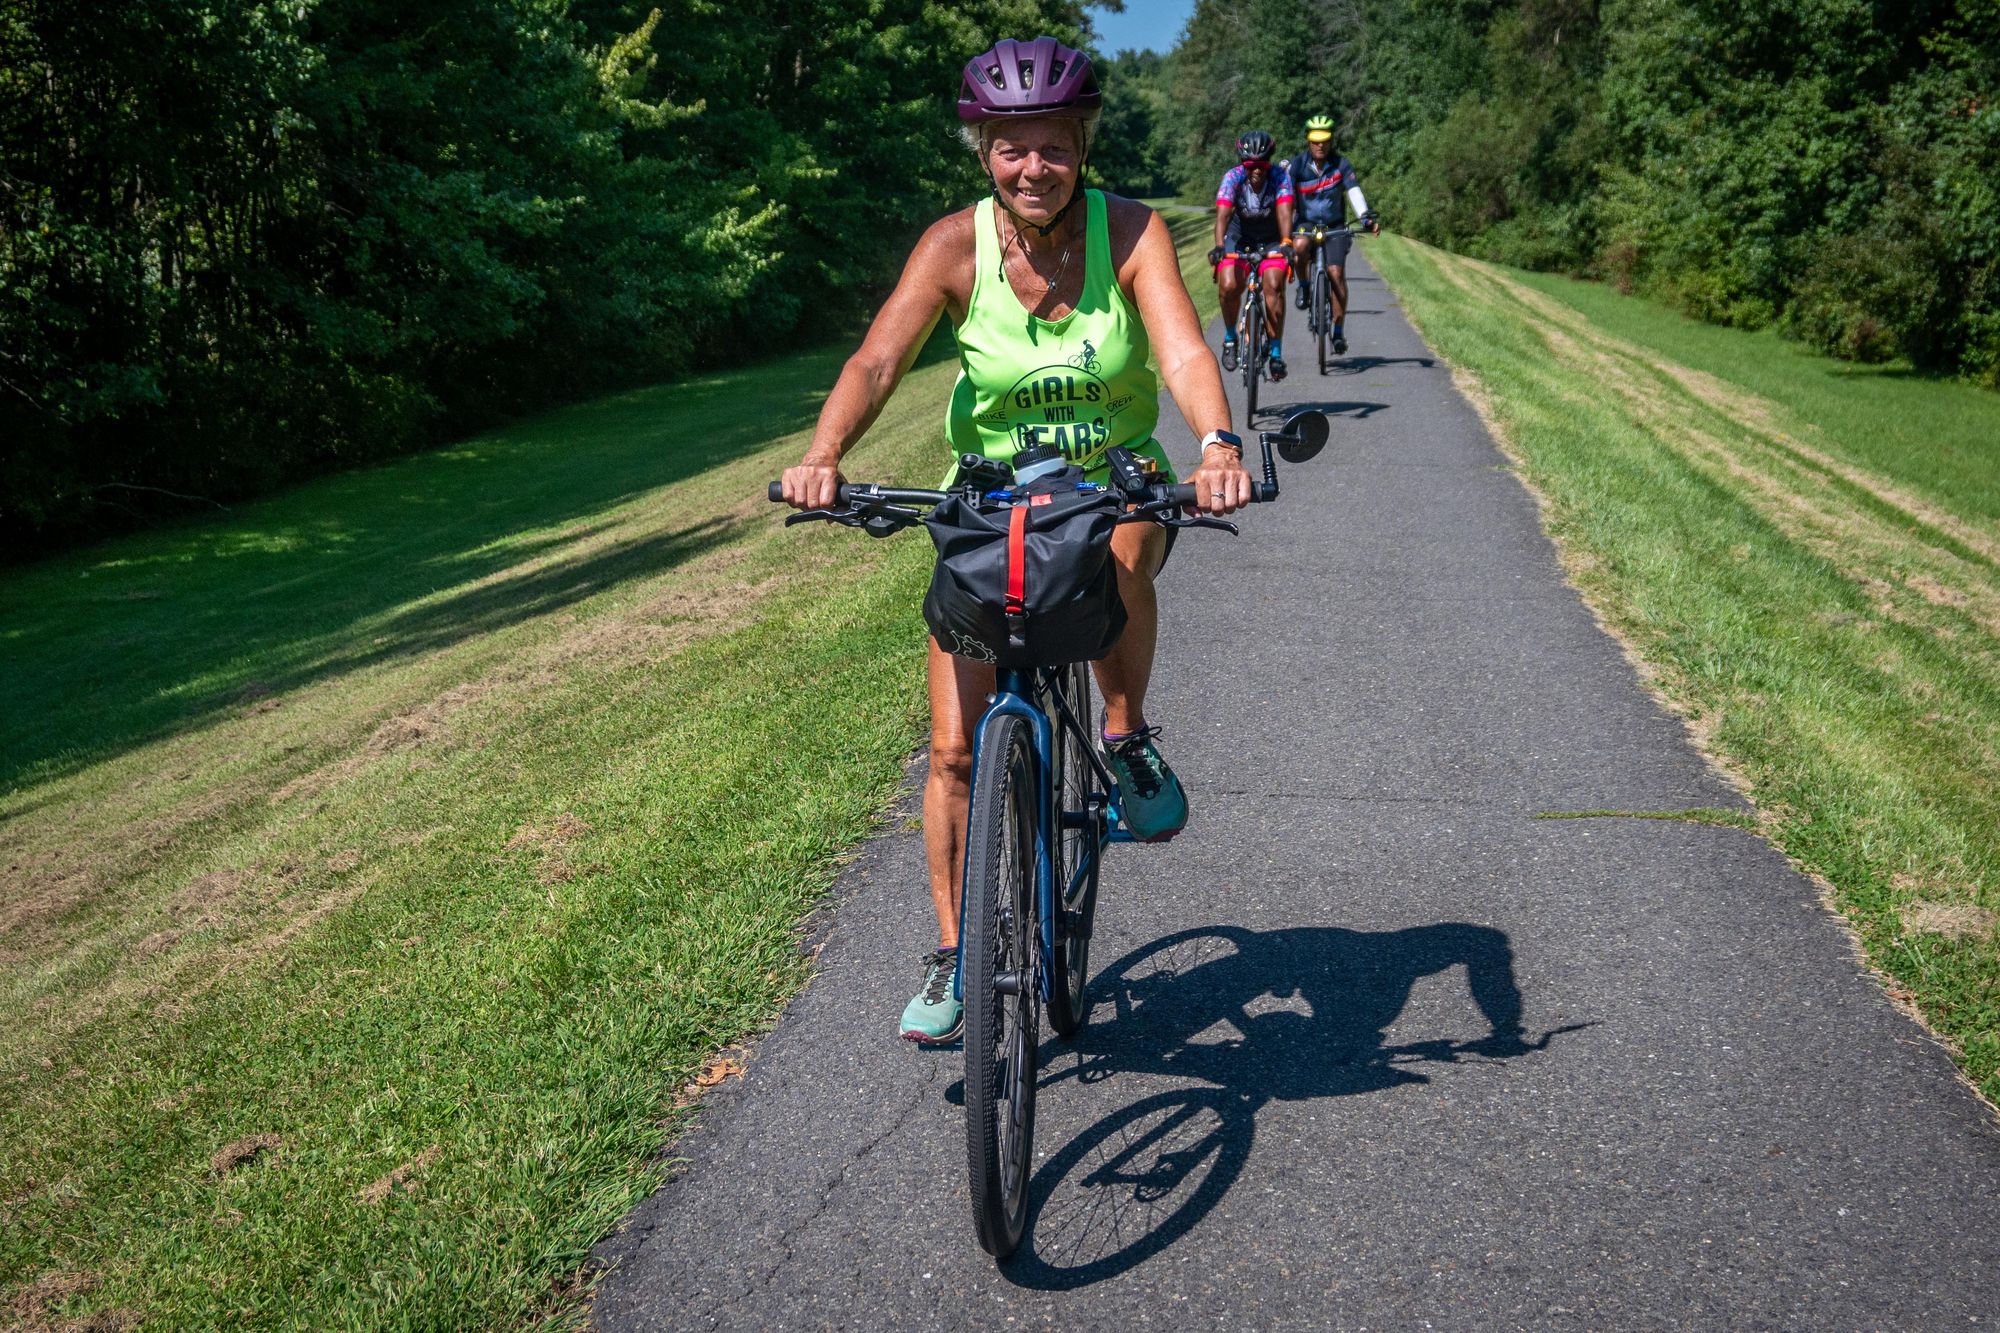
(1805, 556)
(439, 821)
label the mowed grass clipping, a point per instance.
(1805, 556)
(382, 860)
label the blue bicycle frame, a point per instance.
(1015, 693)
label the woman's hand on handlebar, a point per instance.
(813, 484)
(1221, 484)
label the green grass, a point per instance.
(1714, 816)
(446, 815)
(443, 818)
(1806, 556)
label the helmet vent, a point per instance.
(998, 75)
(1056, 68)
(1027, 77)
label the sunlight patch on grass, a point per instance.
(449, 837)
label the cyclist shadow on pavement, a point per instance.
(1251, 1017)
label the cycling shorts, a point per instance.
(1242, 264)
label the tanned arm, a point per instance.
(872, 373)
(1186, 364)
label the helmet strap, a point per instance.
(1082, 171)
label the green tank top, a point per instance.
(1080, 382)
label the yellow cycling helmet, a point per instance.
(1319, 129)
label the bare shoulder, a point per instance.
(1126, 220)
(950, 234)
(944, 258)
(945, 244)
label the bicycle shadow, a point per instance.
(1356, 411)
(1355, 365)
(1250, 1017)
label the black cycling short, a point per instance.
(1251, 240)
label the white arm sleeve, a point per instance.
(1356, 199)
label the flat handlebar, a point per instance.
(1183, 495)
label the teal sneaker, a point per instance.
(1149, 795)
(933, 1017)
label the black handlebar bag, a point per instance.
(1030, 582)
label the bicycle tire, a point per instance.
(1070, 965)
(1002, 1031)
(1322, 301)
(1253, 349)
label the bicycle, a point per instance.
(1250, 335)
(1029, 902)
(1320, 320)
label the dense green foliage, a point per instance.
(1130, 156)
(242, 241)
(1829, 165)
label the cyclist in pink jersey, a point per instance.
(1253, 215)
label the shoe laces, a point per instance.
(1141, 759)
(937, 982)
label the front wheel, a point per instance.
(1002, 992)
(1076, 864)
(1253, 349)
(1322, 304)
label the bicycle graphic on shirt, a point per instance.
(1086, 359)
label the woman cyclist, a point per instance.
(1058, 294)
(1253, 215)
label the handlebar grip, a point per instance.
(776, 492)
(1261, 492)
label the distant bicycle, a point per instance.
(1319, 278)
(1250, 331)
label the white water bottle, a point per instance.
(1038, 461)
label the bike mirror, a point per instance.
(1303, 437)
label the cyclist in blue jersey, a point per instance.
(1324, 186)
(1253, 214)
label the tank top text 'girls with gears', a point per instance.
(1080, 383)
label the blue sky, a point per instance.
(1154, 24)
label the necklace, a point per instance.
(1049, 284)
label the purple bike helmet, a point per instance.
(1022, 79)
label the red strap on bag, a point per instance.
(1017, 561)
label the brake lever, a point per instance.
(1167, 515)
(1204, 521)
(876, 520)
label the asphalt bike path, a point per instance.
(1371, 1046)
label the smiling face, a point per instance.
(1035, 164)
